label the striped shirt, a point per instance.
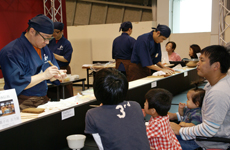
(215, 116)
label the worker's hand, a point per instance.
(182, 105)
(175, 127)
(61, 75)
(168, 71)
(50, 72)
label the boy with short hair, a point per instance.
(160, 135)
(117, 124)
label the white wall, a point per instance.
(94, 42)
(184, 40)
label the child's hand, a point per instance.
(182, 105)
(151, 148)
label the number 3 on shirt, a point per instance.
(121, 107)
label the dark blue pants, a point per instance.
(187, 145)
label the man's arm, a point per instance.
(166, 70)
(160, 65)
(207, 129)
(60, 58)
(153, 67)
(48, 74)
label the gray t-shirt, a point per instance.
(216, 109)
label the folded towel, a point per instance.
(158, 73)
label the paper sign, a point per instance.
(67, 113)
(153, 84)
(9, 109)
(185, 74)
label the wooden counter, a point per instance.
(49, 132)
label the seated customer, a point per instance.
(160, 135)
(193, 50)
(170, 48)
(117, 124)
(213, 65)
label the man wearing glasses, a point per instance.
(25, 66)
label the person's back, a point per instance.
(160, 134)
(123, 47)
(117, 124)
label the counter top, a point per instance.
(150, 79)
(50, 130)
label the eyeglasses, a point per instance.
(45, 39)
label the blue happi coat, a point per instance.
(19, 61)
(63, 48)
(146, 51)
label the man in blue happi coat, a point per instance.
(146, 55)
(62, 50)
(25, 66)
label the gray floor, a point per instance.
(182, 97)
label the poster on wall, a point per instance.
(9, 109)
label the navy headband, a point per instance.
(125, 26)
(165, 30)
(58, 25)
(41, 23)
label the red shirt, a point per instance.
(161, 135)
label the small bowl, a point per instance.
(76, 141)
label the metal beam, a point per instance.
(106, 13)
(90, 13)
(52, 11)
(223, 25)
(117, 4)
(74, 13)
